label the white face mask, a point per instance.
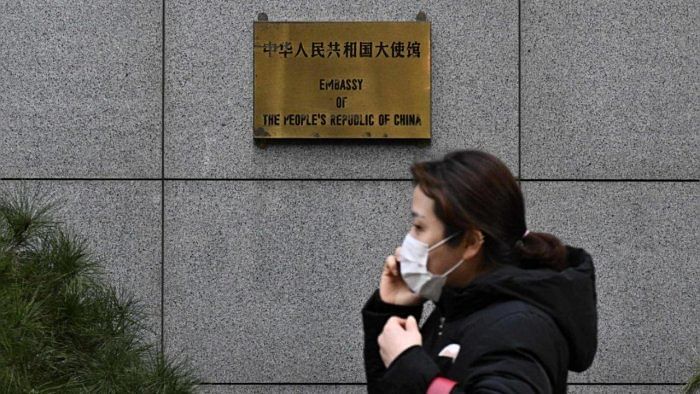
(414, 268)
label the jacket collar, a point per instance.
(456, 302)
(568, 296)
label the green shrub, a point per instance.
(693, 385)
(62, 329)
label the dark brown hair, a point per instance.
(474, 190)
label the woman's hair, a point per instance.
(474, 190)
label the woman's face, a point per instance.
(426, 227)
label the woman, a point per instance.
(514, 309)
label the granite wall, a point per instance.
(254, 263)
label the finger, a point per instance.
(394, 322)
(390, 263)
(391, 321)
(397, 253)
(411, 324)
(402, 323)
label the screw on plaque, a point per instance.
(421, 17)
(261, 143)
(260, 132)
(262, 17)
(259, 135)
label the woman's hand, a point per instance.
(398, 335)
(392, 288)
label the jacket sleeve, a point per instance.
(506, 362)
(375, 313)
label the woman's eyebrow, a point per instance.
(416, 215)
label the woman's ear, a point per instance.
(473, 241)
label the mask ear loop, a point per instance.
(454, 267)
(443, 241)
(440, 243)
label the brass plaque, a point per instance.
(342, 80)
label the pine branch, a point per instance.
(62, 327)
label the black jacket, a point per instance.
(519, 331)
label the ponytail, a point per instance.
(538, 250)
